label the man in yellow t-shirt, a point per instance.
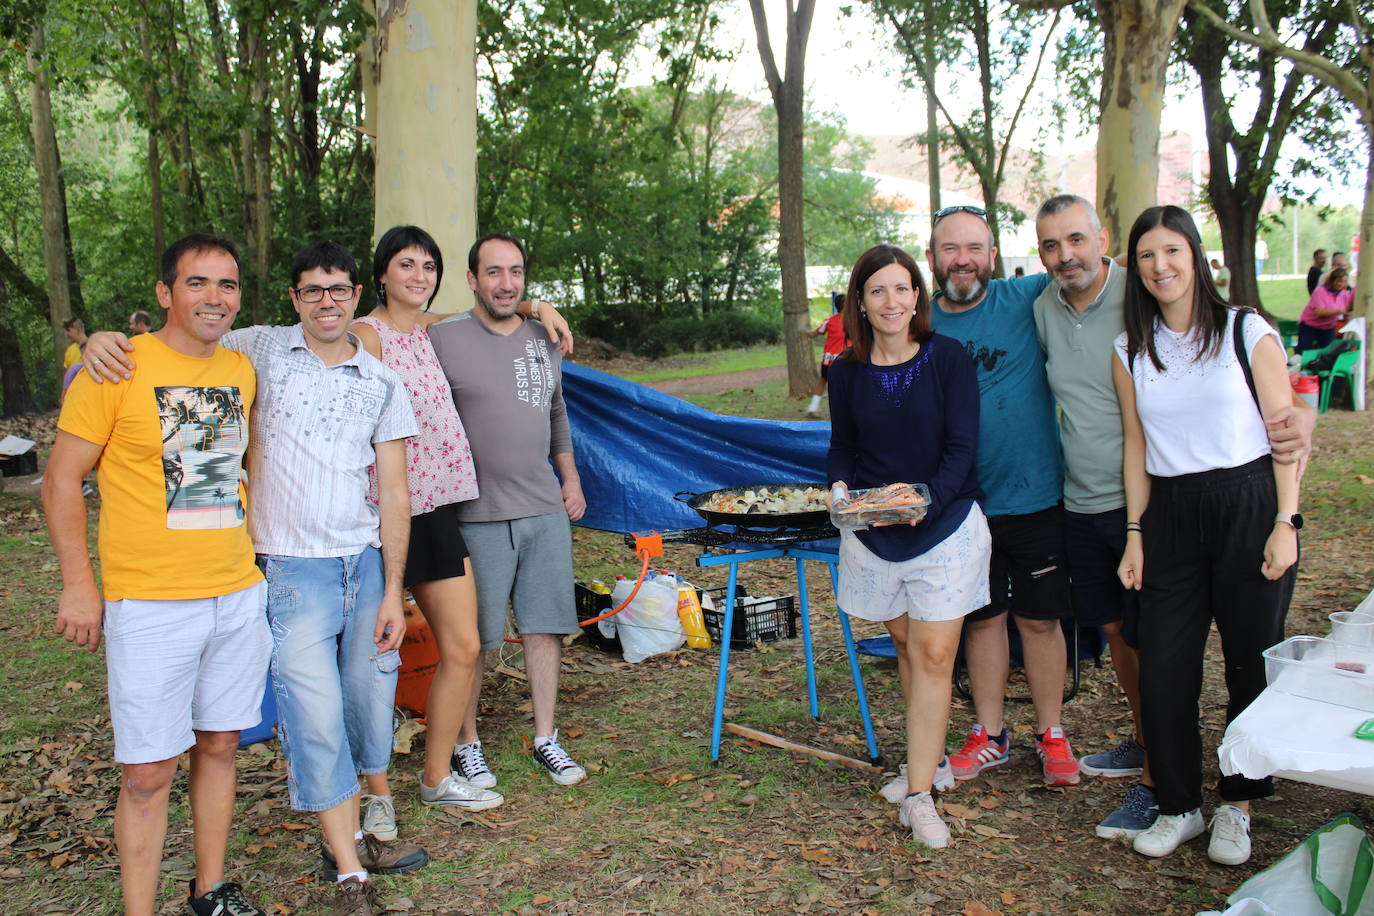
(75, 329)
(183, 610)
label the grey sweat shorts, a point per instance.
(524, 563)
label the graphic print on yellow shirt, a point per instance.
(172, 497)
(204, 436)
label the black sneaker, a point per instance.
(555, 761)
(225, 898)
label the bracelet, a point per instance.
(1134, 526)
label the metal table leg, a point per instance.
(723, 675)
(806, 639)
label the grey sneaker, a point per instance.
(1136, 814)
(469, 763)
(918, 813)
(1230, 843)
(555, 761)
(379, 816)
(1126, 759)
(454, 792)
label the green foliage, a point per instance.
(650, 205)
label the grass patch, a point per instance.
(766, 402)
(1285, 297)
(713, 363)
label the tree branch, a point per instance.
(770, 64)
(1319, 67)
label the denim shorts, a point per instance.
(334, 692)
(524, 563)
(177, 667)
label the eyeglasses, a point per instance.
(961, 208)
(316, 293)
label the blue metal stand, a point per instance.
(801, 554)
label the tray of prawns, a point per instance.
(894, 504)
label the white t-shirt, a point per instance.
(1198, 414)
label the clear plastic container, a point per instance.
(1322, 669)
(843, 516)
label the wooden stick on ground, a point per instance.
(775, 741)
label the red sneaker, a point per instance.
(979, 753)
(1057, 762)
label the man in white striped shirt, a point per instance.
(333, 559)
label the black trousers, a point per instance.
(1204, 538)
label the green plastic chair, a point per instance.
(1288, 333)
(1344, 367)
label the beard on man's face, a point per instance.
(964, 286)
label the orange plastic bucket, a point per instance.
(419, 658)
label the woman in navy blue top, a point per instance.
(904, 409)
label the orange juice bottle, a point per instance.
(689, 612)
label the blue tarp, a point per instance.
(635, 447)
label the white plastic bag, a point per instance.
(650, 625)
(1326, 875)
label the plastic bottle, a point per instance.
(601, 588)
(689, 612)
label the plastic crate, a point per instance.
(756, 619)
(593, 604)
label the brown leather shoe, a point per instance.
(354, 897)
(378, 858)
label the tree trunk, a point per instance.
(1138, 36)
(1364, 280)
(932, 128)
(789, 93)
(426, 169)
(14, 382)
(45, 160)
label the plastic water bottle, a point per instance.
(689, 612)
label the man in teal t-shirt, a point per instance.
(1021, 471)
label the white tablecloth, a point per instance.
(1301, 739)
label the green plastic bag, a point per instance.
(1326, 875)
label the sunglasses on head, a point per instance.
(961, 208)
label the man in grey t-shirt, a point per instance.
(507, 385)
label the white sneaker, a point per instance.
(918, 813)
(1230, 843)
(379, 817)
(944, 775)
(897, 789)
(1168, 832)
(453, 792)
(469, 763)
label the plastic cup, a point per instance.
(1352, 629)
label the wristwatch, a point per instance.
(1295, 520)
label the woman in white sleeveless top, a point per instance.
(1212, 520)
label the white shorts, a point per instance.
(945, 583)
(177, 667)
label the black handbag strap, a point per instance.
(1242, 357)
